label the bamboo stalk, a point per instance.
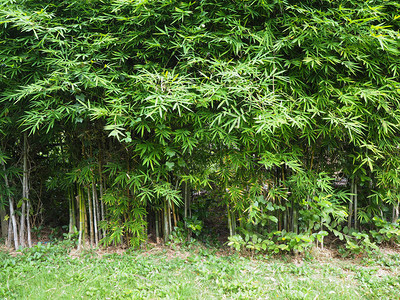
(95, 213)
(165, 211)
(9, 233)
(233, 222)
(25, 192)
(285, 218)
(189, 197)
(101, 190)
(12, 212)
(90, 206)
(229, 221)
(71, 211)
(102, 214)
(185, 191)
(98, 234)
(4, 223)
(22, 224)
(295, 226)
(28, 223)
(350, 204)
(395, 212)
(82, 214)
(355, 207)
(157, 229)
(322, 238)
(174, 214)
(169, 218)
(101, 184)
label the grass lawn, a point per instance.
(46, 272)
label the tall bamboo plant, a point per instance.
(258, 100)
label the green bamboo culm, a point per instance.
(82, 219)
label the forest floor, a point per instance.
(51, 272)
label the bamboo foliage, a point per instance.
(264, 103)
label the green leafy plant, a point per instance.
(37, 230)
(274, 242)
(194, 225)
(385, 231)
(358, 244)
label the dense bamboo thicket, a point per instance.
(284, 114)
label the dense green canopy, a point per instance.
(128, 106)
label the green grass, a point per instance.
(48, 273)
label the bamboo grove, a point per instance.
(282, 114)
